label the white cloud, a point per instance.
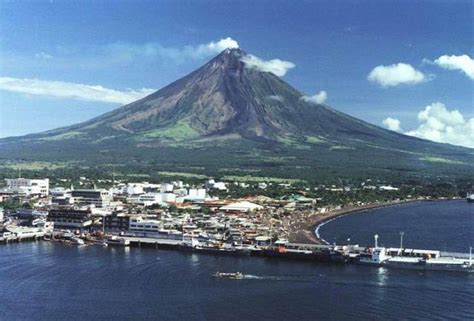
(275, 66)
(439, 124)
(71, 90)
(127, 52)
(319, 98)
(392, 124)
(213, 48)
(397, 74)
(43, 55)
(463, 63)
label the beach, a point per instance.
(303, 230)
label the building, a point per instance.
(30, 213)
(168, 197)
(1, 214)
(117, 222)
(150, 199)
(196, 194)
(91, 197)
(71, 218)
(388, 188)
(141, 225)
(166, 187)
(29, 186)
(212, 184)
(241, 207)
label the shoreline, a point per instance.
(308, 232)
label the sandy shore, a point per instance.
(303, 231)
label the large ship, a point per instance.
(415, 259)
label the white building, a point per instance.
(196, 194)
(178, 184)
(1, 214)
(388, 188)
(150, 199)
(29, 186)
(212, 184)
(166, 187)
(139, 224)
(241, 207)
(90, 197)
(131, 189)
(168, 197)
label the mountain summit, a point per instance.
(228, 107)
(223, 97)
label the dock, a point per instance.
(21, 233)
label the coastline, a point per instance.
(305, 232)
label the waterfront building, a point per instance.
(29, 186)
(118, 222)
(71, 218)
(140, 224)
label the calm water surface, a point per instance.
(46, 281)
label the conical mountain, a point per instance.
(227, 107)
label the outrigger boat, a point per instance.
(231, 275)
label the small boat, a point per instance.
(77, 241)
(229, 275)
(117, 241)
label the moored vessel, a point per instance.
(415, 259)
(117, 241)
(470, 197)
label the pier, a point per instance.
(19, 233)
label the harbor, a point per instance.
(407, 258)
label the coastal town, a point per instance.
(183, 216)
(170, 209)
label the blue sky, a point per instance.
(51, 52)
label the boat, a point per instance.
(77, 241)
(415, 259)
(117, 241)
(470, 197)
(229, 275)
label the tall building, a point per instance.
(29, 186)
(85, 197)
(117, 222)
(71, 218)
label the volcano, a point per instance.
(230, 116)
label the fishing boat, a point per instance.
(229, 275)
